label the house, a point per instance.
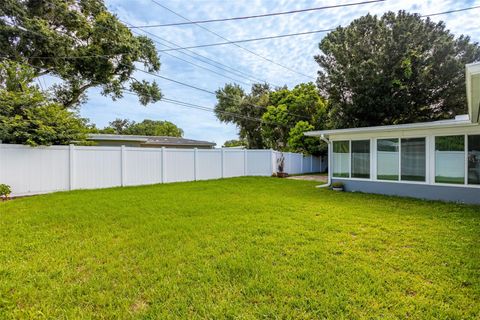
(437, 160)
(148, 141)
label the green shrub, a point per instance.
(5, 190)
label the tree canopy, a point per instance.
(244, 110)
(145, 128)
(234, 143)
(81, 42)
(28, 116)
(397, 68)
(266, 117)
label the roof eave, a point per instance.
(392, 128)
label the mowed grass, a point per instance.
(237, 248)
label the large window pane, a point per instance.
(387, 159)
(341, 151)
(361, 159)
(450, 159)
(474, 159)
(413, 159)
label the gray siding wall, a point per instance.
(430, 192)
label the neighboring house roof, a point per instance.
(468, 120)
(151, 140)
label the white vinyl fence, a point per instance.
(56, 168)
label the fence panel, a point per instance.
(179, 165)
(233, 163)
(209, 164)
(259, 163)
(46, 169)
(35, 170)
(142, 166)
(97, 167)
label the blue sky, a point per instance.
(295, 52)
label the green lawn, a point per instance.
(237, 248)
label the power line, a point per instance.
(450, 11)
(181, 83)
(183, 103)
(178, 48)
(249, 78)
(235, 71)
(208, 91)
(171, 48)
(250, 40)
(259, 15)
(298, 33)
(235, 44)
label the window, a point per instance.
(341, 154)
(413, 159)
(474, 159)
(387, 159)
(361, 159)
(450, 159)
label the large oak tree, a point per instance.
(81, 42)
(392, 69)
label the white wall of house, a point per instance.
(57, 168)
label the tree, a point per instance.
(28, 116)
(244, 110)
(299, 142)
(277, 122)
(80, 42)
(234, 143)
(288, 107)
(394, 69)
(145, 128)
(154, 128)
(118, 126)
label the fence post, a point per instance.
(223, 162)
(164, 165)
(123, 166)
(311, 163)
(195, 163)
(245, 168)
(71, 168)
(271, 161)
(301, 163)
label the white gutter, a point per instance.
(329, 180)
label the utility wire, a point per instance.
(186, 85)
(259, 15)
(232, 70)
(299, 33)
(235, 44)
(195, 54)
(207, 91)
(250, 40)
(181, 103)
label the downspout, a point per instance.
(329, 180)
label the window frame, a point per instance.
(399, 158)
(465, 161)
(429, 159)
(369, 158)
(349, 159)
